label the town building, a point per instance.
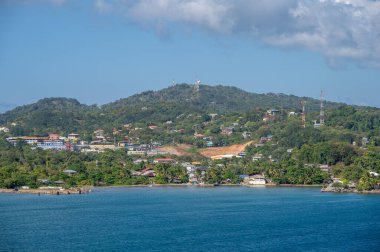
(164, 161)
(257, 157)
(73, 137)
(4, 129)
(226, 131)
(256, 180)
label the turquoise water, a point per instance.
(191, 219)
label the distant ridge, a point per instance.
(219, 99)
(66, 114)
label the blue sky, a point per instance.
(100, 51)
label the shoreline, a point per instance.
(293, 185)
(89, 189)
(341, 190)
(47, 191)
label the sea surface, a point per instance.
(191, 219)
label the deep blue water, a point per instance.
(191, 219)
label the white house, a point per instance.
(374, 174)
(257, 180)
(4, 129)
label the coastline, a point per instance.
(47, 191)
(293, 185)
(89, 189)
(342, 190)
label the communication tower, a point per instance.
(303, 114)
(322, 112)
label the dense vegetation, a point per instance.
(19, 166)
(348, 143)
(63, 115)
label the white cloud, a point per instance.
(161, 13)
(348, 29)
(338, 29)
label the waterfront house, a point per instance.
(337, 181)
(325, 168)
(257, 180)
(176, 180)
(148, 172)
(44, 181)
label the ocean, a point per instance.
(191, 219)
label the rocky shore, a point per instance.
(47, 191)
(332, 189)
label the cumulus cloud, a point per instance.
(339, 29)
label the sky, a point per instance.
(98, 51)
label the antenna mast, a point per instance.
(196, 85)
(322, 112)
(303, 114)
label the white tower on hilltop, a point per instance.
(196, 85)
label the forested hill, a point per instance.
(51, 115)
(64, 115)
(217, 99)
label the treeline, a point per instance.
(22, 166)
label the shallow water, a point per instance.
(191, 219)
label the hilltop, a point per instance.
(218, 99)
(66, 114)
(180, 111)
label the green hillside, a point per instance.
(189, 110)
